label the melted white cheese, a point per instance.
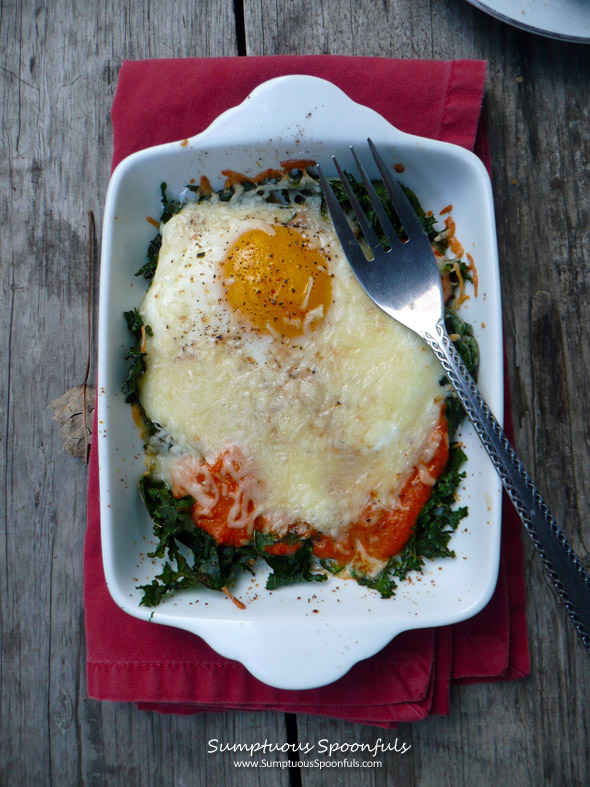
(325, 419)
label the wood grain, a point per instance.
(59, 72)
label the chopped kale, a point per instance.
(209, 565)
(465, 343)
(464, 270)
(170, 206)
(134, 322)
(438, 520)
(290, 568)
(427, 221)
(461, 334)
(360, 193)
(331, 565)
(383, 583)
(135, 354)
(226, 194)
(169, 514)
(169, 581)
(149, 269)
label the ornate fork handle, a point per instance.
(563, 565)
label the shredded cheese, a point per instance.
(424, 476)
(308, 287)
(239, 604)
(474, 275)
(191, 476)
(462, 294)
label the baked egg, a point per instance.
(288, 402)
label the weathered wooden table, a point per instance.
(59, 72)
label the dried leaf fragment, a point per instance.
(73, 412)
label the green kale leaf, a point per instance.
(194, 559)
(288, 569)
(464, 270)
(170, 515)
(135, 354)
(149, 269)
(360, 193)
(466, 345)
(170, 206)
(383, 583)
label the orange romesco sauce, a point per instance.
(380, 533)
(384, 533)
(217, 523)
(282, 549)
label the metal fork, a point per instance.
(404, 281)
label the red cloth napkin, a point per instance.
(170, 670)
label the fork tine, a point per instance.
(384, 220)
(368, 231)
(406, 213)
(343, 229)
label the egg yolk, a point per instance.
(278, 281)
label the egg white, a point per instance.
(326, 419)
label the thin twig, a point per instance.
(91, 254)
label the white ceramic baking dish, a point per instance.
(280, 637)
